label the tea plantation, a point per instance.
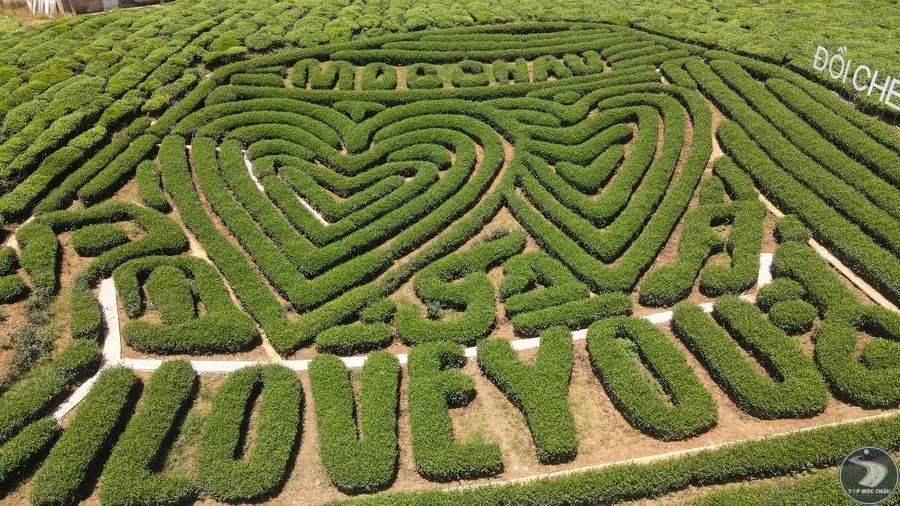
(400, 253)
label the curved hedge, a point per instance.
(473, 297)
(792, 388)
(221, 327)
(641, 397)
(93, 240)
(539, 390)
(228, 478)
(358, 456)
(872, 379)
(434, 388)
(131, 475)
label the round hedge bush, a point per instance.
(794, 316)
(790, 228)
(779, 290)
(93, 240)
(12, 288)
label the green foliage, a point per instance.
(617, 346)
(34, 394)
(93, 240)
(524, 272)
(793, 317)
(222, 475)
(359, 456)
(781, 455)
(354, 338)
(820, 488)
(539, 390)
(86, 440)
(779, 290)
(12, 288)
(671, 283)
(175, 285)
(790, 228)
(473, 297)
(150, 186)
(168, 287)
(28, 445)
(573, 315)
(442, 134)
(131, 475)
(793, 387)
(435, 387)
(118, 172)
(872, 379)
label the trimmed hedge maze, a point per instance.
(443, 230)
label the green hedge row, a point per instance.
(150, 186)
(435, 387)
(281, 273)
(873, 127)
(244, 280)
(838, 130)
(131, 475)
(523, 272)
(114, 175)
(793, 316)
(27, 447)
(93, 240)
(573, 315)
(879, 224)
(577, 243)
(540, 390)
(859, 251)
(670, 283)
(616, 346)
(83, 446)
(354, 338)
(359, 456)
(61, 196)
(790, 228)
(819, 488)
(12, 288)
(872, 379)
(461, 74)
(25, 437)
(779, 290)
(775, 456)
(9, 260)
(171, 293)
(171, 285)
(879, 191)
(224, 475)
(591, 178)
(793, 386)
(35, 393)
(736, 182)
(40, 250)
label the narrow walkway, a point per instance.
(261, 188)
(661, 456)
(112, 346)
